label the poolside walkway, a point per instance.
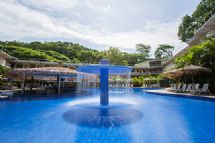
(164, 91)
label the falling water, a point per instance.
(86, 81)
(118, 81)
(79, 82)
(104, 70)
(127, 82)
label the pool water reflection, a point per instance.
(134, 116)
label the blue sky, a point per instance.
(97, 24)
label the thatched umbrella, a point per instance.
(43, 71)
(171, 74)
(194, 70)
(46, 72)
(148, 81)
(190, 70)
(151, 80)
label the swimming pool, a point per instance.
(133, 116)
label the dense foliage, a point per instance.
(144, 79)
(164, 51)
(115, 56)
(27, 53)
(3, 70)
(51, 51)
(75, 53)
(143, 51)
(66, 52)
(200, 55)
(204, 11)
(57, 56)
(137, 82)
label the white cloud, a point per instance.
(20, 22)
(98, 6)
(51, 5)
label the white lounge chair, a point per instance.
(173, 87)
(184, 87)
(204, 89)
(189, 88)
(196, 89)
(178, 87)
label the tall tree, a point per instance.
(132, 58)
(204, 11)
(143, 51)
(164, 51)
(186, 29)
(114, 55)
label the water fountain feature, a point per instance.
(104, 70)
(130, 117)
(105, 115)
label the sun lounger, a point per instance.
(3, 97)
(204, 89)
(189, 88)
(178, 87)
(196, 89)
(184, 87)
(174, 87)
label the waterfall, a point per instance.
(104, 71)
(127, 82)
(86, 81)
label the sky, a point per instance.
(96, 24)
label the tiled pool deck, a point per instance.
(165, 91)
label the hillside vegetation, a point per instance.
(51, 51)
(75, 53)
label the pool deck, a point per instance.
(161, 91)
(165, 91)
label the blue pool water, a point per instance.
(132, 117)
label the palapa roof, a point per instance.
(193, 69)
(188, 70)
(47, 73)
(43, 71)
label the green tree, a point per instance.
(186, 29)
(204, 11)
(164, 51)
(65, 52)
(114, 55)
(58, 56)
(143, 51)
(74, 60)
(124, 62)
(3, 69)
(201, 55)
(132, 58)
